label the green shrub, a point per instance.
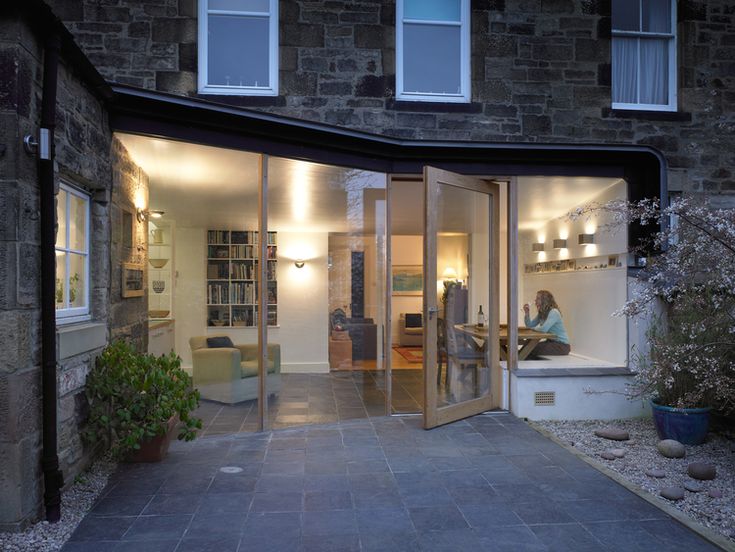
(132, 397)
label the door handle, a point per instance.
(432, 311)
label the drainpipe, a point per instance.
(52, 477)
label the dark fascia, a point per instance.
(39, 16)
(165, 115)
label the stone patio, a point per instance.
(487, 483)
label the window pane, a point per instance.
(77, 280)
(435, 10)
(77, 223)
(238, 51)
(626, 15)
(60, 280)
(625, 70)
(61, 215)
(657, 16)
(431, 59)
(654, 72)
(240, 5)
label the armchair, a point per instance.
(230, 374)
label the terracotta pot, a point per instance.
(155, 449)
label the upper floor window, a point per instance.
(72, 254)
(238, 47)
(644, 54)
(433, 50)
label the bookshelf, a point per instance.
(232, 279)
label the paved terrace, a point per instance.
(487, 483)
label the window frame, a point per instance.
(672, 47)
(203, 51)
(66, 315)
(465, 79)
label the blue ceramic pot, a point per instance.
(686, 425)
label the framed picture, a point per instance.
(407, 279)
(132, 280)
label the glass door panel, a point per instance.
(461, 366)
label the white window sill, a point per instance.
(643, 107)
(81, 337)
(237, 91)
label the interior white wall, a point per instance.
(587, 298)
(303, 302)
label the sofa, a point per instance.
(363, 333)
(410, 330)
(229, 374)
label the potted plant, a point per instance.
(688, 367)
(136, 401)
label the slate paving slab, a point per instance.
(380, 484)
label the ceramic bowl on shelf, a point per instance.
(159, 286)
(158, 263)
(218, 322)
(158, 313)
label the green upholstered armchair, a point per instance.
(229, 374)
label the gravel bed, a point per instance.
(75, 503)
(641, 455)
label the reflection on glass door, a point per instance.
(462, 373)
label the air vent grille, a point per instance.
(544, 398)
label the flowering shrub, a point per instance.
(691, 361)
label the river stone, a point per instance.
(693, 486)
(671, 448)
(613, 433)
(658, 474)
(607, 455)
(672, 493)
(715, 493)
(701, 470)
(617, 453)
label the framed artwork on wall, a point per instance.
(407, 279)
(132, 280)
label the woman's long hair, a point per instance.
(547, 303)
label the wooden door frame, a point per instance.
(431, 414)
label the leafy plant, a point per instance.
(133, 396)
(73, 281)
(690, 361)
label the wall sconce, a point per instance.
(538, 247)
(145, 214)
(586, 239)
(298, 263)
(560, 244)
(449, 274)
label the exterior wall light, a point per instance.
(538, 247)
(299, 263)
(586, 239)
(560, 244)
(145, 214)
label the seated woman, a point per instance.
(548, 320)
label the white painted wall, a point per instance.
(303, 303)
(577, 398)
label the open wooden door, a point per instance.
(462, 374)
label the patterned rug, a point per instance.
(414, 355)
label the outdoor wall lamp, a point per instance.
(586, 239)
(145, 214)
(560, 244)
(299, 263)
(538, 247)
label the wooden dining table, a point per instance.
(527, 338)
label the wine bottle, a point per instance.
(480, 318)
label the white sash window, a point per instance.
(72, 255)
(433, 50)
(644, 55)
(238, 47)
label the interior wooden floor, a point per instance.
(396, 359)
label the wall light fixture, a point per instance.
(560, 244)
(586, 239)
(538, 247)
(299, 263)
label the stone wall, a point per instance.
(540, 73)
(84, 159)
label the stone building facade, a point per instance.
(540, 69)
(88, 158)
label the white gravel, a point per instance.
(641, 455)
(75, 503)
